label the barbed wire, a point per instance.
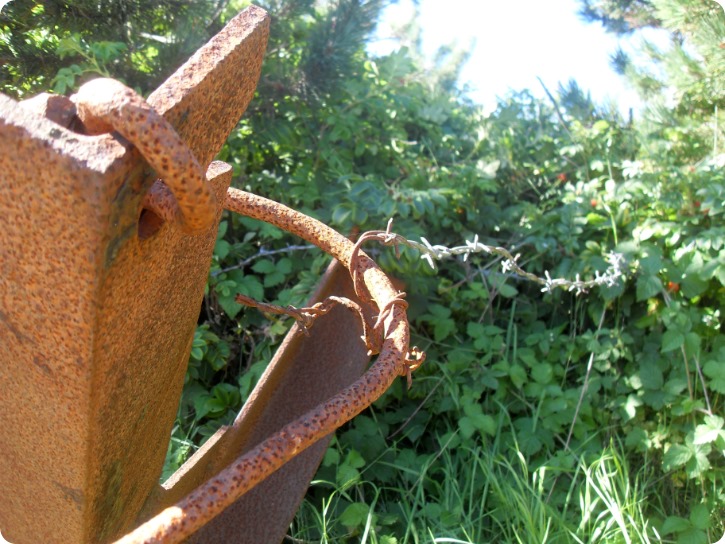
(436, 252)
(432, 253)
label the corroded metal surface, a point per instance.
(105, 105)
(186, 517)
(96, 321)
(305, 371)
(122, 257)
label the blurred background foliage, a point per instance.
(537, 417)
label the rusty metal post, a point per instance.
(102, 271)
(99, 299)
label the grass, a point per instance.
(482, 494)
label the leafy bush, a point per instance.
(538, 417)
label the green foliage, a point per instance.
(58, 45)
(538, 417)
(534, 388)
(95, 58)
(681, 83)
(620, 16)
(640, 360)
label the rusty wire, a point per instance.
(178, 522)
(104, 105)
(306, 317)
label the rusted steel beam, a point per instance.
(306, 370)
(180, 521)
(98, 301)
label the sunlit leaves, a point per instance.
(694, 457)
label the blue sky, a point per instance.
(514, 41)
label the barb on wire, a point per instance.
(432, 253)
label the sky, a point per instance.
(514, 41)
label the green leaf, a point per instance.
(600, 126)
(264, 266)
(518, 376)
(439, 311)
(693, 286)
(715, 370)
(595, 219)
(652, 263)
(711, 269)
(675, 524)
(274, 278)
(698, 463)
(443, 329)
(106, 51)
(507, 291)
(651, 376)
(482, 423)
(487, 424)
(692, 344)
(692, 536)
(70, 45)
(466, 426)
(432, 510)
(630, 406)
(200, 405)
(340, 214)
(700, 517)
(355, 515)
(354, 459)
(221, 249)
(648, 287)
(251, 286)
(65, 78)
(197, 353)
(332, 457)
(347, 475)
(222, 230)
(229, 305)
(692, 283)
(676, 456)
(527, 356)
(474, 330)
(284, 266)
(542, 373)
(709, 431)
(715, 422)
(671, 340)
(637, 438)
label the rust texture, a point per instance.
(99, 298)
(176, 523)
(104, 105)
(305, 371)
(102, 278)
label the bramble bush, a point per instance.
(552, 392)
(538, 416)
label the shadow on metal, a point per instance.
(305, 371)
